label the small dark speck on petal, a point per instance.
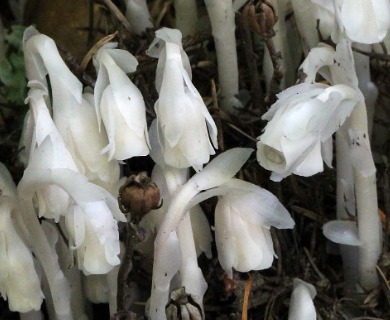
(357, 143)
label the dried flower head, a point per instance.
(139, 195)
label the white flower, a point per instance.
(119, 104)
(52, 200)
(168, 249)
(73, 113)
(243, 217)
(184, 125)
(19, 282)
(301, 303)
(91, 215)
(302, 122)
(365, 21)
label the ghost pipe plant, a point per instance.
(301, 302)
(168, 249)
(300, 127)
(19, 282)
(244, 214)
(351, 16)
(119, 104)
(71, 109)
(353, 152)
(53, 201)
(184, 143)
(221, 16)
(91, 214)
(243, 217)
(52, 177)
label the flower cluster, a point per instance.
(59, 227)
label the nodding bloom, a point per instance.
(19, 282)
(301, 302)
(243, 217)
(52, 200)
(184, 124)
(297, 138)
(171, 245)
(71, 109)
(92, 212)
(119, 104)
(352, 16)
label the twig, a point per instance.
(118, 14)
(94, 49)
(133, 237)
(248, 286)
(319, 273)
(374, 55)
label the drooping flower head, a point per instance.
(73, 111)
(19, 282)
(301, 122)
(243, 217)
(301, 302)
(364, 21)
(119, 104)
(184, 124)
(92, 212)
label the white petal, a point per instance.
(358, 27)
(225, 239)
(301, 303)
(257, 205)
(201, 230)
(342, 232)
(221, 168)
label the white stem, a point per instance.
(186, 16)
(223, 26)
(59, 286)
(368, 88)
(190, 274)
(176, 211)
(367, 209)
(346, 200)
(170, 249)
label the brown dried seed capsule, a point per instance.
(261, 17)
(139, 195)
